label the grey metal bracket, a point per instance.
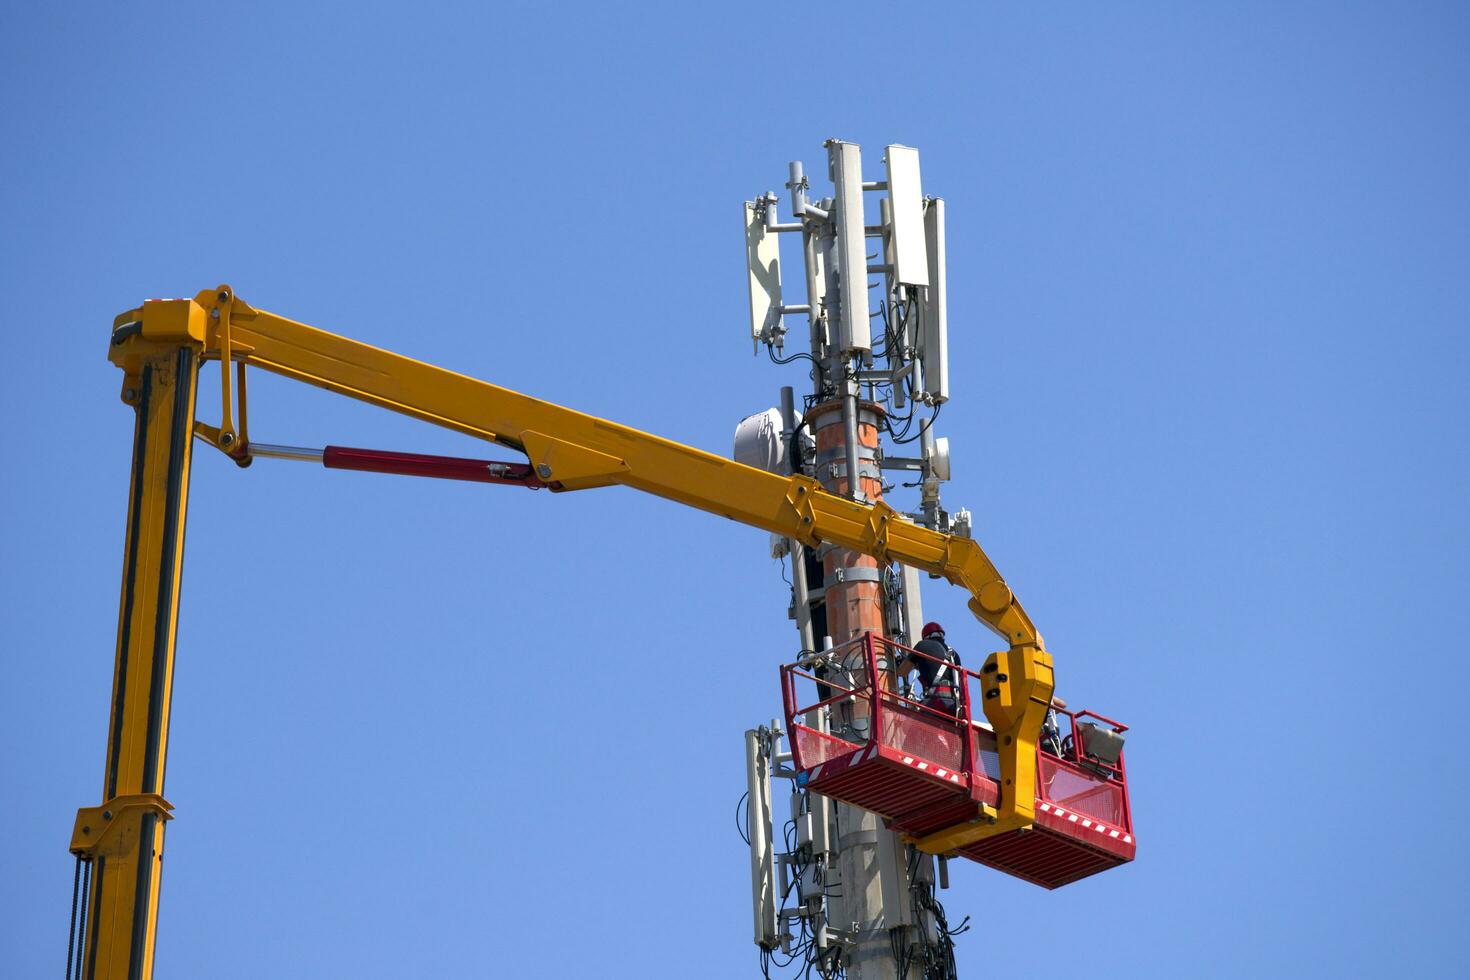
(857, 575)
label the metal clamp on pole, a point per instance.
(854, 574)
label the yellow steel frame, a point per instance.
(160, 346)
(123, 838)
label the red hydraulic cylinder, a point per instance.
(441, 467)
(404, 464)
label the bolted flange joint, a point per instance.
(102, 830)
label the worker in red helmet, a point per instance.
(936, 660)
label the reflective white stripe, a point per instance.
(909, 760)
(1096, 825)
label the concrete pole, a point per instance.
(854, 600)
(846, 434)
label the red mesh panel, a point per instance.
(812, 748)
(986, 755)
(1081, 791)
(922, 736)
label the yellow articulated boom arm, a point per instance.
(160, 347)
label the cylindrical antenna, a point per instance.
(798, 189)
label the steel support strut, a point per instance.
(123, 838)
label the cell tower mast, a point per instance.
(861, 901)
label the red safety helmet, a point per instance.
(931, 628)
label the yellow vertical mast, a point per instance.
(123, 838)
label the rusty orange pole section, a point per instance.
(854, 600)
(854, 595)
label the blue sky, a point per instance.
(1209, 308)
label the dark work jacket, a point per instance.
(928, 668)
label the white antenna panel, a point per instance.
(819, 300)
(906, 208)
(933, 321)
(763, 266)
(845, 160)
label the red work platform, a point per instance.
(921, 774)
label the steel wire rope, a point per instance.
(82, 922)
(71, 933)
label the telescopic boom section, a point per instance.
(569, 450)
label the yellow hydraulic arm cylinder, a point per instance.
(569, 451)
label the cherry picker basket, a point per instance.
(925, 764)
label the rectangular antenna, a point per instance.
(763, 268)
(899, 340)
(893, 879)
(765, 900)
(845, 160)
(816, 261)
(934, 323)
(906, 206)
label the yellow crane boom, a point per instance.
(161, 346)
